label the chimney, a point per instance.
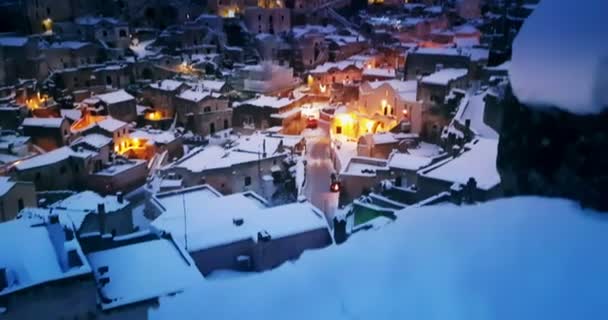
(69, 234)
(120, 197)
(101, 215)
(340, 235)
(74, 260)
(238, 221)
(53, 219)
(263, 236)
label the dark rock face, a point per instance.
(554, 153)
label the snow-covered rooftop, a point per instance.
(268, 101)
(194, 95)
(407, 90)
(407, 161)
(246, 149)
(115, 97)
(445, 76)
(34, 253)
(111, 124)
(74, 45)
(51, 157)
(479, 163)
(88, 201)
(379, 72)
(156, 136)
(340, 66)
(214, 224)
(13, 41)
(563, 64)
(142, 271)
(94, 140)
(166, 85)
(43, 122)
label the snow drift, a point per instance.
(521, 258)
(560, 57)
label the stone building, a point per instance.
(119, 105)
(14, 196)
(22, 59)
(48, 133)
(424, 61)
(264, 112)
(203, 112)
(267, 20)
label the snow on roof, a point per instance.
(69, 45)
(43, 122)
(439, 51)
(340, 66)
(445, 76)
(166, 85)
(268, 101)
(93, 20)
(364, 166)
(407, 90)
(54, 156)
(94, 140)
(88, 201)
(473, 109)
(479, 163)
(41, 255)
(6, 184)
(466, 42)
(213, 225)
(300, 31)
(115, 97)
(213, 85)
(71, 114)
(118, 168)
(194, 96)
(13, 41)
(111, 124)
(408, 161)
(379, 72)
(245, 149)
(499, 260)
(142, 271)
(563, 65)
(157, 136)
(424, 149)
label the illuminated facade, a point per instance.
(382, 106)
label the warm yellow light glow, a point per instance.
(345, 119)
(369, 125)
(37, 101)
(323, 88)
(310, 80)
(383, 103)
(47, 24)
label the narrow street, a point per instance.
(318, 175)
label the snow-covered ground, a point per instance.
(520, 258)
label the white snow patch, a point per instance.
(560, 57)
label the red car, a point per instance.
(312, 123)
